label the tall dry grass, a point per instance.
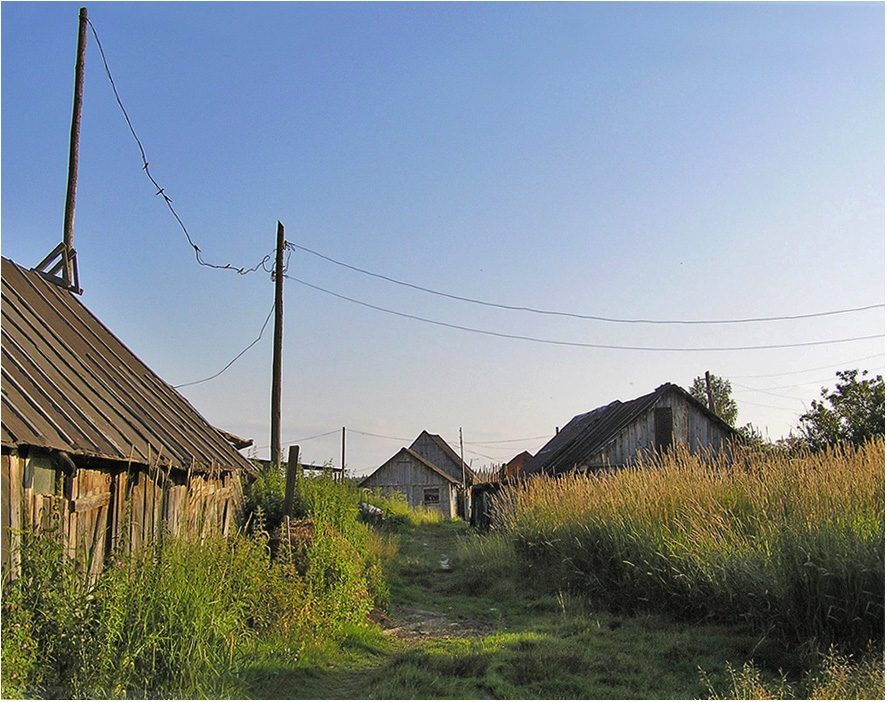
(794, 544)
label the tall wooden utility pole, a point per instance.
(63, 259)
(278, 348)
(74, 151)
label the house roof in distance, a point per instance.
(69, 384)
(589, 433)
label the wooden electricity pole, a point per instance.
(74, 152)
(342, 474)
(63, 259)
(278, 348)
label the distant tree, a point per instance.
(724, 405)
(853, 413)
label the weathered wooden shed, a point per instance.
(94, 444)
(420, 481)
(617, 434)
(434, 449)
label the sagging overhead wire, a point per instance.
(160, 191)
(578, 344)
(576, 315)
(231, 362)
(843, 364)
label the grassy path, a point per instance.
(447, 638)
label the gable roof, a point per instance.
(589, 433)
(69, 384)
(448, 451)
(422, 461)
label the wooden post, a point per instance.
(278, 348)
(464, 505)
(74, 154)
(292, 466)
(711, 402)
(342, 475)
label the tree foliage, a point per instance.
(852, 413)
(724, 405)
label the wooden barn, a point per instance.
(616, 434)
(421, 482)
(428, 474)
(94, 444)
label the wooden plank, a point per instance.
(137, 506)
(6, 536)
(99, 541)
(94, 501)
(158, 507)
(16, 497)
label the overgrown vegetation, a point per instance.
(188, 617)
(835, 677)
(792, 545)
(397, 512)
(760, 576)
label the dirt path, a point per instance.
(412, 624)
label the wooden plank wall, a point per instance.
(405, 475)
(97, 513)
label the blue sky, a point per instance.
(663, 161)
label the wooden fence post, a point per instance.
(292, 465)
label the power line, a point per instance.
(575, 315)
(377, 436)
(810, 370)
(231, 362)
(784, 409)
(767, 392)
(578, 344)
(160, 190)
(800, 385)
(506, 441)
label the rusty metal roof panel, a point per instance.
(69, 384)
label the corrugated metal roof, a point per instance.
(69, 384)
(587, 434)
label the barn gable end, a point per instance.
(420, 482)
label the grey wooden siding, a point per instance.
(407, 475)
(96, 512)
(689, 426)
(426, 447)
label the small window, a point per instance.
(432, 496)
